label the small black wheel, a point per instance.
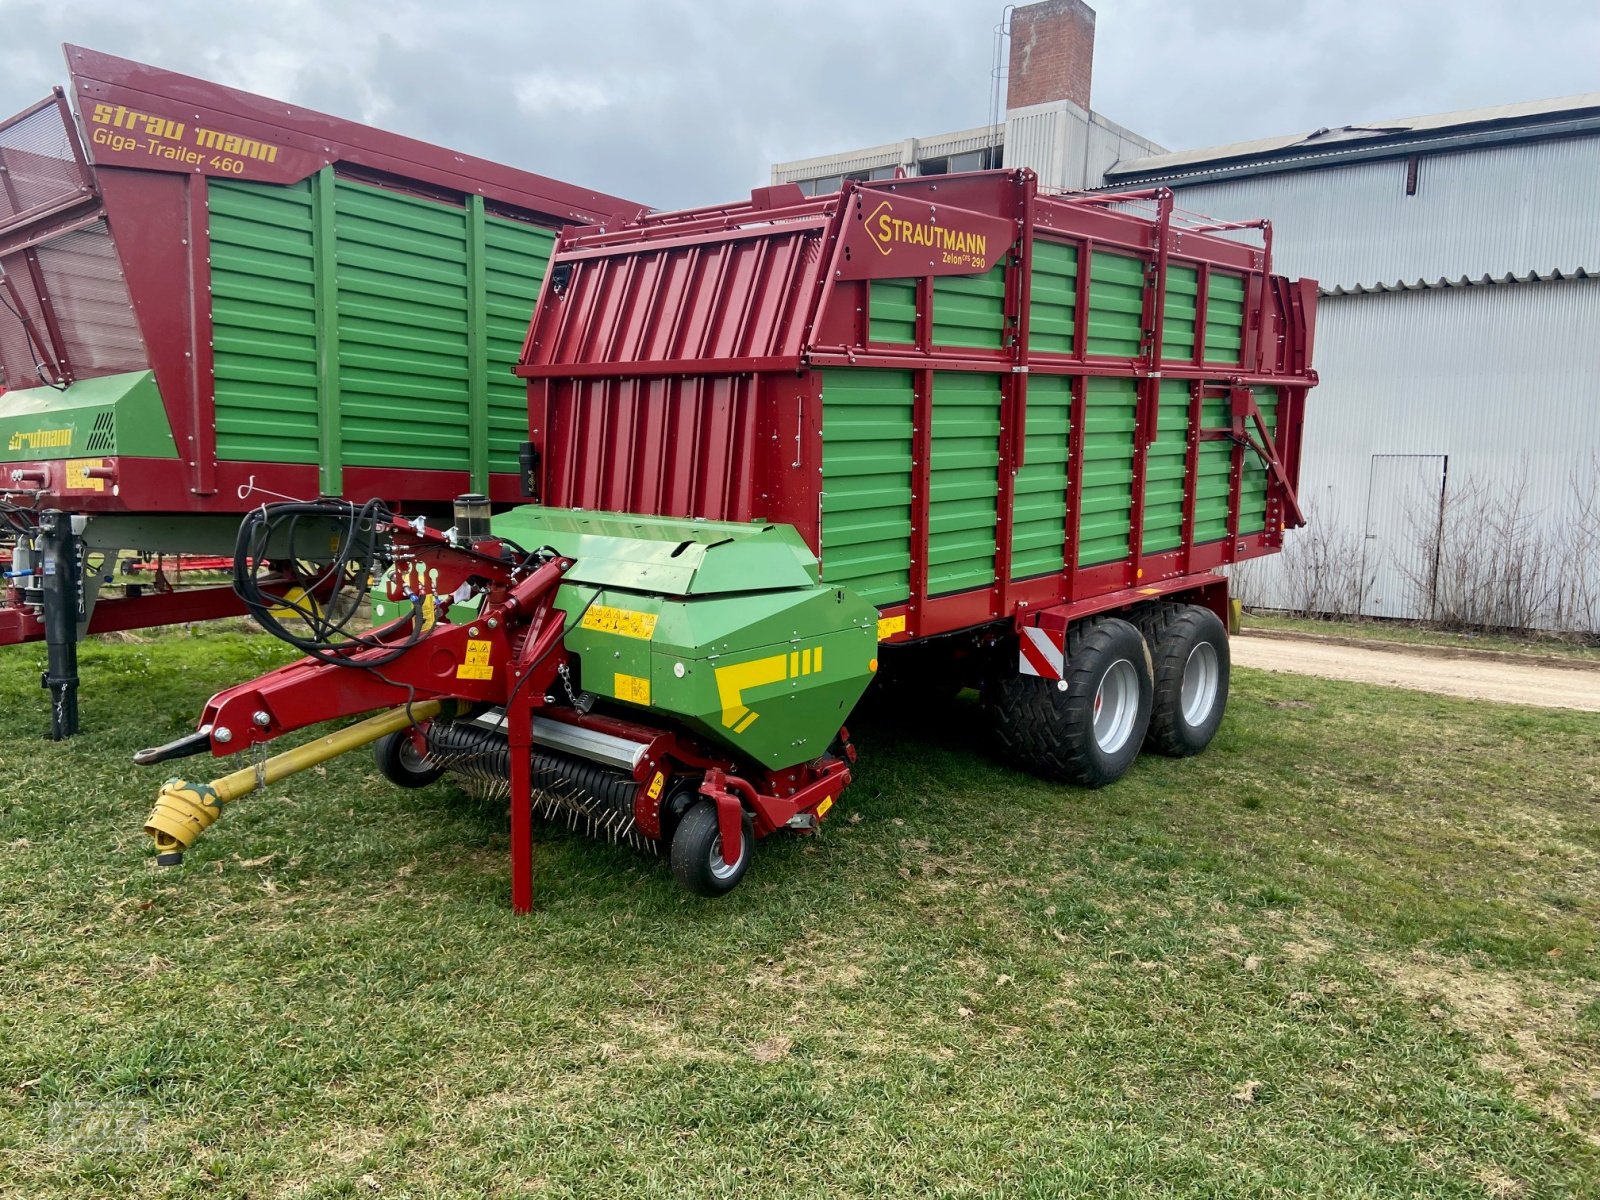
(401, 763)
(697, 852)
(1087, 728)
(1189, 647)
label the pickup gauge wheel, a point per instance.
(401, 763)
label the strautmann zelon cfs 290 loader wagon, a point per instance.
(210, 298)
(948, 430)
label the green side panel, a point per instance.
(866, 482)
(399, 332)
(1165, 463)
(1108, 429)
(964, 482)
(772, 674)
(264, 321)
(892, 310)
(113, 414)
(1253, 480)
(722, 625)
(516, 256)
(1116, 304)
(1053, 297)
(1178, 313)
(668, 555)
(1039, 505)
(1215, 469)
(970, 310)
(403, 319)
(1224, 318)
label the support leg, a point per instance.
(519, 737)
(59, 546)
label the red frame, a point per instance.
(701, 334)
(519, 629)
(156, 213)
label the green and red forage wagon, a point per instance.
(210, 298)
(947, 431)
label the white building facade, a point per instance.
(1452, 451)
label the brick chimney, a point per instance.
(1052, 53)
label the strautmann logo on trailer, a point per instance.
(886, 229)
(894, 235)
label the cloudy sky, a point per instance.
(676, 102)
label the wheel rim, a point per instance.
(1116, 704)
(1201, 675)
(411, 759)
(720, 870)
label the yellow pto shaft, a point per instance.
(185, 810)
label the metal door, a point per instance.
(1405, 498)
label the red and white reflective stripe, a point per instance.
(1041, 652)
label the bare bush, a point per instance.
(1318, 572)
(1490, 560)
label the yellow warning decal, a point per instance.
(631, 687)
(656, 784)
(621, 621)
(78, 474)
(889, 626)
(477, 665)
(822, 809)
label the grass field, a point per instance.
(1351, 951)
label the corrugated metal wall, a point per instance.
(1503, 379)
(1511, 210)
(1505, 210)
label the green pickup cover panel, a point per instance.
(970, 310)
(964, 481)
(722, 625)
(354, 325)
(1166, 461)
(866, 482)
(892, 310)
(110, 414)
(1053, 298)
(1103, 529)
(1178, 315)
(1224, 318)
(1116, 304)
(1039, 507)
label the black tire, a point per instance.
(401, 765)
(696, 852)
(1187, 642)
(1050, 731)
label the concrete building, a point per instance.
(1046, 125)
(1452, 451)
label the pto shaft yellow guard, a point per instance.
(185, 810)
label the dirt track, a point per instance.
(1548, 687)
